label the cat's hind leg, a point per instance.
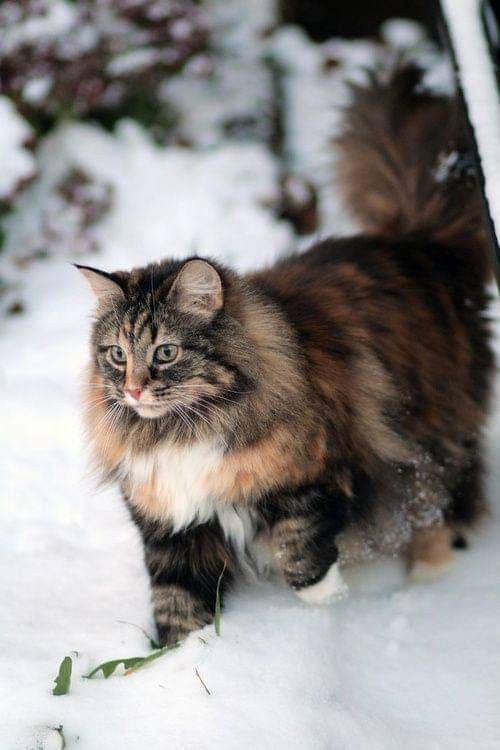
(468, 504)
(430, 553)
(431, 550)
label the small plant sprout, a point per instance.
(217, 615)
(63, 679)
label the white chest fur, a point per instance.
(174, 484)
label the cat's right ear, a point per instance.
(104, 285)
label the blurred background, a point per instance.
(88, 89)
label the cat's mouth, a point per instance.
(153, 410)
(147, 410)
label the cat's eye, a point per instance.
(166, 353)
(117, 354)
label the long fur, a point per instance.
(404, 162)
(335, 401)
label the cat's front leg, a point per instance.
(305, 523)
(184, 569)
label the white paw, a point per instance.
(330, 588)
(424, 572)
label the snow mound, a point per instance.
(18, 164)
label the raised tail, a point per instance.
(404, 166)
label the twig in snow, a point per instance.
(201, 680)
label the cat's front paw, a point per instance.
(177, 614)
(306, 555)
(328, 589)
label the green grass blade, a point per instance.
(217, 614)
(109, 667)
(148, 659)
(63, 679)
(130, 664)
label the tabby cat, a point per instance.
(321, 411)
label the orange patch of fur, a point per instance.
(108, 446)
(431, 546)
(270, 464)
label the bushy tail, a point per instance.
(404, 166)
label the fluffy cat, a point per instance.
(323, 410)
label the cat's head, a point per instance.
(164, 344)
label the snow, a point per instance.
(391, 665)
(477, 76)
(402, 33)
(57, 19)
(313, 93)
(132, 61)
(170, 192)
(239, 91)
(18, 164)
(37, 88)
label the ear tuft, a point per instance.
(198, 288)
(107, 290)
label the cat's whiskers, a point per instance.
(195, 388)
(211, 425)
(211, 411)
(109, 422)
(178, 410)
(115, 416)
(206, 402)
(100, 400)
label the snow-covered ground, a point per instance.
(394, 665)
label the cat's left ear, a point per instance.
(198, 288)
(104, 285)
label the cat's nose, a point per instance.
(134, 392)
